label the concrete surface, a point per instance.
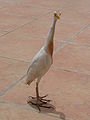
(24, 25)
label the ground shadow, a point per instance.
(50, 111)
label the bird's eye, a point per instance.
(55, 14)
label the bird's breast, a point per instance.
(45, 63)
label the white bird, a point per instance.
(42, 62)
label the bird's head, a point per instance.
(57, 15)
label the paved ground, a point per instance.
(24, 25)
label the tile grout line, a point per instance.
(19, 60)
(12, 85)
(70, 70)
(15, 104)
(71, 39)
(29, 22)
(88, 46)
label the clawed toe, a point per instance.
(40, 102)
(38, 105)
(41, 98)
(45, 100)
(44, 96)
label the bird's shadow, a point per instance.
(50, 111)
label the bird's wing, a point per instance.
(40, 64)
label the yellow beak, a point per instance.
(58, 16)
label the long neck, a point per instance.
(49, 39)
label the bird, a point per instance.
(41, 63)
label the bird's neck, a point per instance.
(49, 39)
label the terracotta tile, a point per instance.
(69, 92)
(10, 22)
(20, 47)
(73, 57)
(15, 16)
(10, 71)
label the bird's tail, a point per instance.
(28, 81)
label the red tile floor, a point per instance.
(24, 25)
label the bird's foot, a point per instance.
(40, 102)
(41, 99)
(39, 105)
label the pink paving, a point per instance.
(24, 25)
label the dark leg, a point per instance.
(37, 93)
(37, 97)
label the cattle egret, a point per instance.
(41, 63)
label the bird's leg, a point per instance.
(37, 92)
(37, 97)
(41, 98)
(39, 101)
